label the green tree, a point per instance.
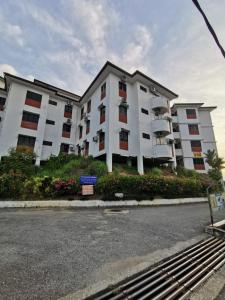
(216, 163)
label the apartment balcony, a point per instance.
(160, 104)
(161, 126)
(163, 152)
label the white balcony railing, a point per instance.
(163, 152)
(162, 126)
(160, 104)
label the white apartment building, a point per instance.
(121, 117)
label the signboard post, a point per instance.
(87, 183)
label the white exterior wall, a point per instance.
(11, 124)
(137, 123)
(206, 134)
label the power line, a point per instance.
(209, 27)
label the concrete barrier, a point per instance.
(97, 203)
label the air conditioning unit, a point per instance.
(69, 121)
(153, 90)
(69, 102)
(86, 117)
(95, 139)
(72, 148)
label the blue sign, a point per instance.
(88, 180)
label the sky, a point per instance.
(66, 42)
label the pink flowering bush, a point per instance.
(65, 187)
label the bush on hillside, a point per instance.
(11, 185)
(149, 187)
(20, 160)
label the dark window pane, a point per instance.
(143, 89)
(34, 96)
(124, 136)
(66, 127)
(52, 102)
(144, 111)
(68, 108)
(146, 136)
(30, 117)
(47, 143)
(50, 122)
(25, 140)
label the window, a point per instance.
(176, 127)
(124, 139)
(86, 148)
(80, 131)
(88, 126)
(146, 136)
(102, 114)
(68, 111)
(199, 163)
(89, 106)
(101, 140)
(174, 113)
(64, 148)
(24, 140)
(144, 111)
(52, 102)
(123, 114)
(178, 144)
(66, 130)
(103, 90)
(82, 113)
(191, 114)
(142, 88)
(193, 129)
(30, 117)
(2, 103)
(50, 122)
(122, 89)
(29, 120)
(47, 143)
(33, 99)
(196, 146)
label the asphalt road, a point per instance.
(48, 254)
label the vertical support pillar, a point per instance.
(129, 162)
(37, 162)
(140, 165)
(109, 162)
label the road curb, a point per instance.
(97, 203)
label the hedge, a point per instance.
(17, 186)
(149, 187)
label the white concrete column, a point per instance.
(140, 165)
(109, 162)
(37, 161)
(129, 162)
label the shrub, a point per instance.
(19, 162)
(148, 187)
(155, 172)
(11, 185)
(65, 187)
(97, 168)
(187, 173)
(38, 187)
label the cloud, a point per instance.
(10, 32)
(135, 54)
(8, 69)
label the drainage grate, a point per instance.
(116, 211)
(172, 279)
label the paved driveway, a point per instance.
(48, 254)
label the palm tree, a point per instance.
(214, 160)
